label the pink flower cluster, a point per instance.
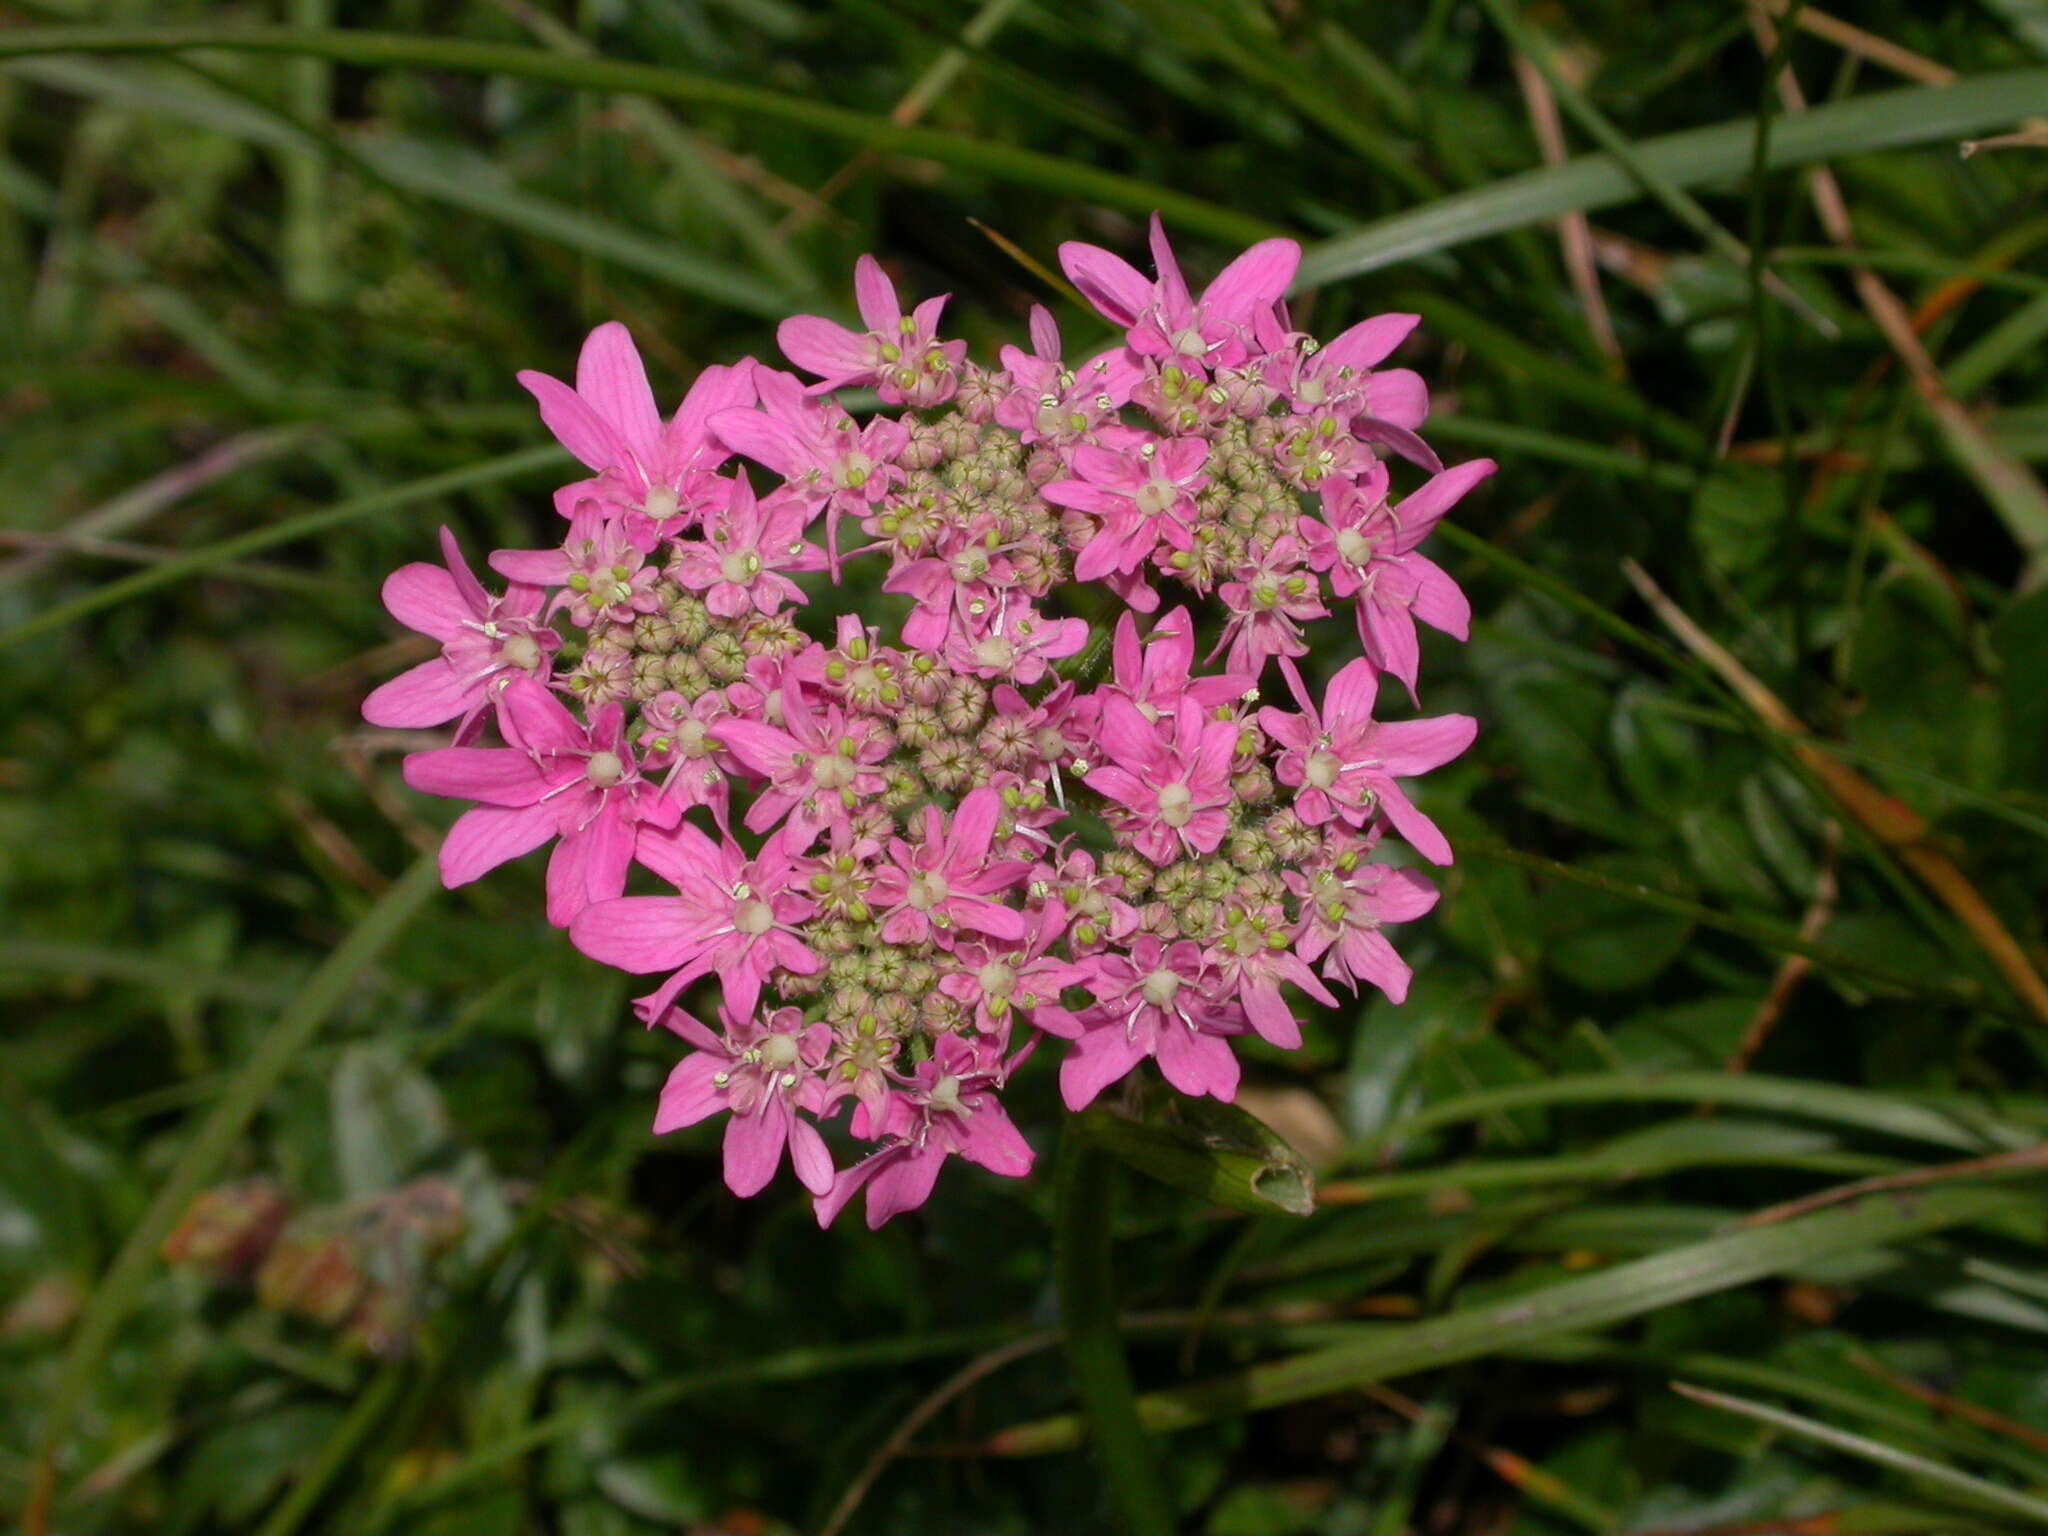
(903, 865)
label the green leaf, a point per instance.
(1214, 1151)
(1573, 1306)
(120, 1288)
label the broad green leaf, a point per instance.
(1213, 1151)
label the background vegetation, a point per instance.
(1749, 907)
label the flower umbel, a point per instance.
(895, 858)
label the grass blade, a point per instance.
(490, 472)
(1001, 162)
(1897, 119)
(1874, 1451)
(1579, 1305)
(1085, 1271)
(119, 1290)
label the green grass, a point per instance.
(265, 276)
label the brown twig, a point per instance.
(1573, 232)
(2020, 1160)
(1890, 820)
(1794, 968)
(2014, 491)
(975, 1370)
(1954, 1407)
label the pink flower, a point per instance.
(485, 642)
(946, 882)
(1253, 959)
(602, 576)
(609, 421)
(1164, 323)
(947, 1108)
(1173, 791)
(730, 915)
(1343, 906)
(958, 588)
(1050, 403)
(1002, 982)
(1273, 596)
(1368, 548)
(553, 779)
(1345, 762)
(1153, 672)
(819, 766)
(762, 1073)
(900, 354)
(815, 446)
(1143, 496)
(1154, 1003)
(746, 548)
(1017, 645)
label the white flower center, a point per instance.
(1176, 805)
(604, 769)
(740, 567)
(661, 503)
(927, 891)
(1321, 769)
(1353, 546)
(1160, 988)
(753, 918)
(521, 651)
(778, 1051)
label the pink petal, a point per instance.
(1409, 747)
(1371, 958)
(904, 1185)
(466, 585)
(767, 441)
(1388, 630)
(532, 719)
(875, 296)
(1403, 896)
(1197, 1064)
(427, 694)
(1368, 343)
(818, 346)
(639, 933)
(1271, 1017)
(489, 774)
(1397, 396)
(1173, 288)
(987, 917)
(997, 1145)
(753, 1146)
(691, 1092)
(1442, 492)
(851, 1182)
(1254, 281)
(610, 375)
(974, 825)
(809, 1157)
(1439, 601)
(424, 598)
(576, 426)
(1423, 835)
(490, 835)
(535, 567)
(1348, 702)
(1101, 1057)
(1116, 288)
